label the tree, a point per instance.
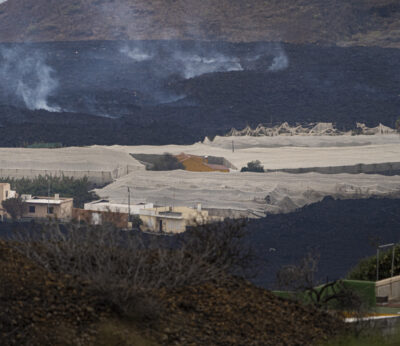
(253, 166)
(366, 268)
(136, 221)
(300, 279)
(397, 125)
(15, 207)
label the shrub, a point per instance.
(300, 280)
(136, 221)
(124, 267)
(397, 125)
(253, 166)
(15, 207)
(366, 268)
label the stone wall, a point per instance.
(389, 288)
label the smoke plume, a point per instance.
(136, 54)
(280, 61)
(27, 76)
(194, 65)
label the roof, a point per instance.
(196, 163)
(43, 201)
(46, 200)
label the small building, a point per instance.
(102, 211)
(173, 219)
(93, 217)
(155, 219)
(5, 193)
(44, 207)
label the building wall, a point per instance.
(389, 288)
(66, 210)
(60, 211)
(151, 223)
(6, 192)
(3, 188)
(93, 217)
(189, 217)
(173, 226)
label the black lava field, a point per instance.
(341, 232)
(166, 92)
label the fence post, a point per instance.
(377, 264)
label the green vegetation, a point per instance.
(79, 189)
(253, 166)
(366, 268)
(136, 221)
(40, 145)
(397, 125)
(365, 290)
(14, 207)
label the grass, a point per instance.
(120, 333)
(365, 289)
(368, 340)
(40, 145)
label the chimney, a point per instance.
(199, 207)
(57, 196)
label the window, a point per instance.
(51, 210)
(32, 209)
(6, 194)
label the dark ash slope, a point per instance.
(155, 104)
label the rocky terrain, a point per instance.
(361, 22)
(39, 308)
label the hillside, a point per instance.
(40, 308)
(360, 22)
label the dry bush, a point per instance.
(124, 267)
(300, 280)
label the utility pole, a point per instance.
(392, 245)
(48, 195)
(129, 204)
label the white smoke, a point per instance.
(280, 61)
(136, 54)
(198, 60)
(29, 77)
(194, 65)
(2, 1)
